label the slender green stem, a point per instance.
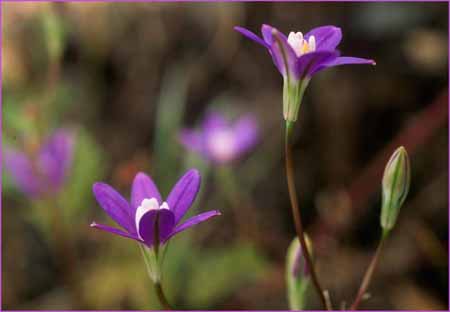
(368, 275)
(244, 213)
(65, 253)
(162, 297)
(297, 216)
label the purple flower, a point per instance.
(220, 141)
(146, 214)
(44, 173)
(305, 55)
(299, 56)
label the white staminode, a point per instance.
(221, 144)
(300, 45)
(146, 206)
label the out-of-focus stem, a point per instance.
(162, 297)
(297, 216)
(369, 273)
(245, 217)
(65, 254)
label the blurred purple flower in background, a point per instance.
(147, 214)
(219, 141)
(45, 172)
(305, 55)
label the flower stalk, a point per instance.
(395, 187)
(369, 273)
(297, 216)
(153, 262)
(246, 218)
(292, 98)
(162, 297)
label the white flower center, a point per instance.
(146, 206)
(221, 145)
(300, 45)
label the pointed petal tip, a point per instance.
(140, 174)
(193, 171)
(96, 186)
(373, 62)
(336, 28)
(93, 224)
(267, 27)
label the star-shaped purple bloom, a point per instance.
(220, 141)
(304, 55)
(46, 172)
(147, 213)
(298, 57)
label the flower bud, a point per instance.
(297, 275)
(396, 180)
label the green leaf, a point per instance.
(88, 167)
(170, 109)
(54, 32)
(218, 273)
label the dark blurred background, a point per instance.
(128, 76)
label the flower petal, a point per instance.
(143, 188)
(310, 62)
(345, 60)
(283, 56)
(115, 206)
(115, 231)
(183, 194)
(55, 157)
(247, 33)
(246, 134)
(327, 37)
(214, 121)
(194, 221)
(192, 140)
(267, 33)
(19, 166)
(147, 223)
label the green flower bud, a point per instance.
(297, 275)
(396, 180)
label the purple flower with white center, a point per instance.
(46, 172)
(147, 218)
(298, 57)
(220, 141)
